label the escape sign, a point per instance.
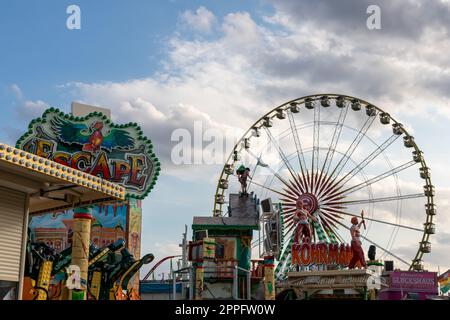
(93, 144)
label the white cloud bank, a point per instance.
(201, 20)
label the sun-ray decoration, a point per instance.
(336, 160)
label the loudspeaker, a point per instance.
(266, 205)
(372, 252)
(389, 266)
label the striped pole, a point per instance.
(269, 278)
(80, 247)
(199, 274)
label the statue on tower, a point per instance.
(357, 250)
(301, 218)
(243, 174)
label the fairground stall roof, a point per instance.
(52, 186)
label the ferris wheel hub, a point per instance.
(309, 202)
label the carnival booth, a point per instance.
(409, 285)
(88, 145)
(221, 252)
(29, 185)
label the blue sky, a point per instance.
(165, 64)
(118, 41)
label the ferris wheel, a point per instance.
(338, 155)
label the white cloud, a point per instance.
(201, 20)
(160, 250)
(32, 109)
(160, 109)
(27, 109)
(17, 91)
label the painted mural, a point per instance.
(55, 230)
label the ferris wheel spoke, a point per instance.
(271, 170)
(335, 139)
(270, 189)
(378, 246)
(381, 221)
(328, 218)
(384, 199)
(349, 152)
(327, 221)
(288, 210)
(287, 203)
(284, 159)
(292, 191)
(289, 222)
(298, 145)
(289, 215)
(324, 222)
(319, 182)
(330, 214)
(368, 159)
(369, 182)
(316, 142)
(332, 147)
(338, 235)
(290, 227)
(334, 230)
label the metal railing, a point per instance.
(236, 283)
(190, 271)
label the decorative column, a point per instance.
(80, 248)
(44, 279)
(269, 278)
(199, 275)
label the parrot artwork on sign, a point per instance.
(92, 138)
